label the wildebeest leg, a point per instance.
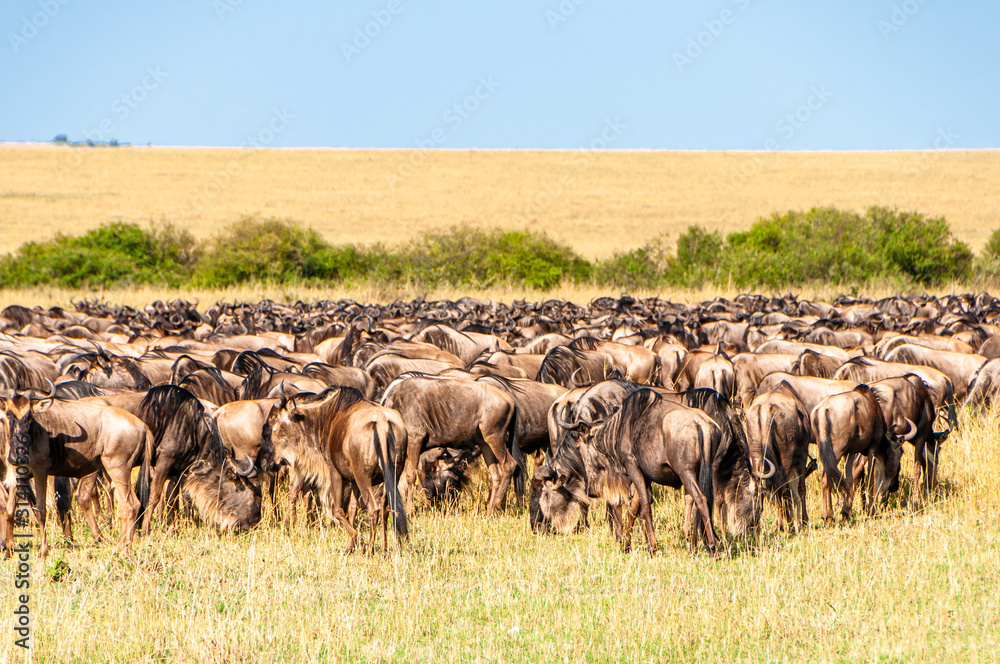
(850, 472)
(373, 503)
(690, 482)
(128, 503)
(803, 514)
(86, 496)
(826, 501)
(312, 508)
(337, 496)
(416, 442)
(614, 513)
(62, 489)
(795, 502)
(293, 498)
(4, 528)
(504, 466)
(688, 515)
(172, 504)
(639, 484)
(633, 511)
(156, 491)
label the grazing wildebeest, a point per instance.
(449, 412)
(849, 424)
(648, 440)
(909, 411)
(224, 489)
(559, 503)
(74, 439)
(336, 440)
(778, 433)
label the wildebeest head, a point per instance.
(295, 438)
(16, 417)
(228, 494)
(558, 502)
(115, 372)
(444, 472)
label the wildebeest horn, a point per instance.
(248, 471)
(766, 475)
(52, 389)
(569, 426)
(911, 431)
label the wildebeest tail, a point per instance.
(386, 461)
(142, 484)
(515, 451)
(826, 454)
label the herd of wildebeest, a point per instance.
(360, 406)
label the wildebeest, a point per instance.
(648, 440)
(909, 410)
(336, 440)
(849, 424)
(74, 439)
(778, 433)
(447, 412)
(223, 489)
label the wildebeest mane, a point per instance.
(337, 397)
(247, 361)
(172, 408)
(559, 364)
(585, 343)
(504, 382)
(77, 389)
(254, 386)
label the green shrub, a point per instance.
(827, 245)
(821, 245)
(473, 257)
(266, 250)
(114, 254)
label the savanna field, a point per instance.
(911, 584)
(908, 586)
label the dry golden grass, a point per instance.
(47, 296)
(598, 202)
(908, 586)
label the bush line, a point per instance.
(792, 249)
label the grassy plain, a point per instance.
(598, 202)
(908, 586)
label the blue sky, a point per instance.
(726, 74)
